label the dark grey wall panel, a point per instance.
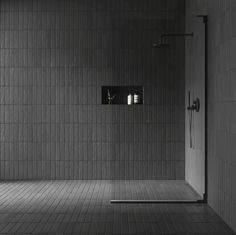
(222, 109)
(54, 58)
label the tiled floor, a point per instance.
(153, 190)
(83, 207)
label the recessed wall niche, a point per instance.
(118, 95)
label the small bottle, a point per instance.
(136, 99)
(130, 99)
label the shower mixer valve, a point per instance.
(195, 106)
(191, 108)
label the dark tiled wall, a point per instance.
(222, 109)
(221, 105)
(54, 58)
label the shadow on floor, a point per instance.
(83, 207)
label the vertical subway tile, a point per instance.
(54, 61)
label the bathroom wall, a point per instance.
(222, 109)
(221, 105)
(195, 84)
(54, 57)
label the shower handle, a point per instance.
(191, 108)
(195, 106)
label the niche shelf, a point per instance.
(120, 94)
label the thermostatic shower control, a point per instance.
(195, 106)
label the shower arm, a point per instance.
(163, 36)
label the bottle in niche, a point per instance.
(130, 99)
(136, 99)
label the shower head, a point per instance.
(161, 44)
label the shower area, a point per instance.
(110, 90)
(161, 155)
